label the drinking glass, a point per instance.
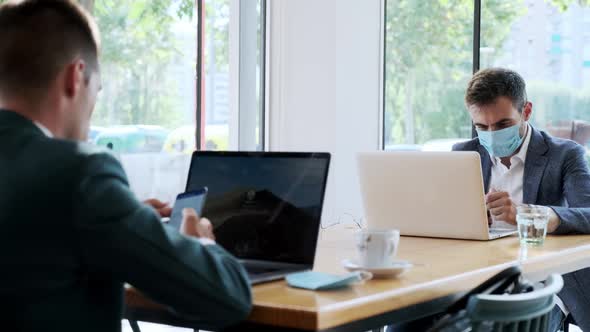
(532, 224)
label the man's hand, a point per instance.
(192, 225)
(501, 206)
(163, 208)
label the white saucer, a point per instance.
(395, 268)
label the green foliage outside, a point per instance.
(137, 51)
(564, 4)
(428, 63)
(217, 15)
(429, 50)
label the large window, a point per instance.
(428, 61)
(432, 48)
(178, 75)
(548, 42)
(233, 88)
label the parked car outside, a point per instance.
(132, 138)
(94, 132)
(183, 139)
(180, 140)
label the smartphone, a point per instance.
(190, 199)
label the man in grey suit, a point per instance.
(524, 165)
(71, 231)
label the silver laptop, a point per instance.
(265, 207)
(432, 194)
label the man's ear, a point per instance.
(527, 111)
(74, 78)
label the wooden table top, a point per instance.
(442, 267)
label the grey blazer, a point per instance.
(556, 175)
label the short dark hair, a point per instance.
(489, 84)
(38, 38)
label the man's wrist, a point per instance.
(554, 221)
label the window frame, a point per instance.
(242, 80)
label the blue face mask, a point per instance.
(323, 281)
(501, 143)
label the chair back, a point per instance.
(527, 312)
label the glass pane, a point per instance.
(216, 57)
(550, 47)
(428, 62)
(233, 58)
(251, 70)
(146, 110)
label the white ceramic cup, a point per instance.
(376, 248)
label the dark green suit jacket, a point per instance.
(72, 233)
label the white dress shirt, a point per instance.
(510, 179)
(44, 129)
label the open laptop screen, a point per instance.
(263, 206)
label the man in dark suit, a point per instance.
(71, 231)
(523, 165)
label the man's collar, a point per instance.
(44, 129)
(538, 146)
(524, 148)
(10, 118)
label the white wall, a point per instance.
(325, 88)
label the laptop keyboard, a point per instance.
(501, 230)
(258, 270)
